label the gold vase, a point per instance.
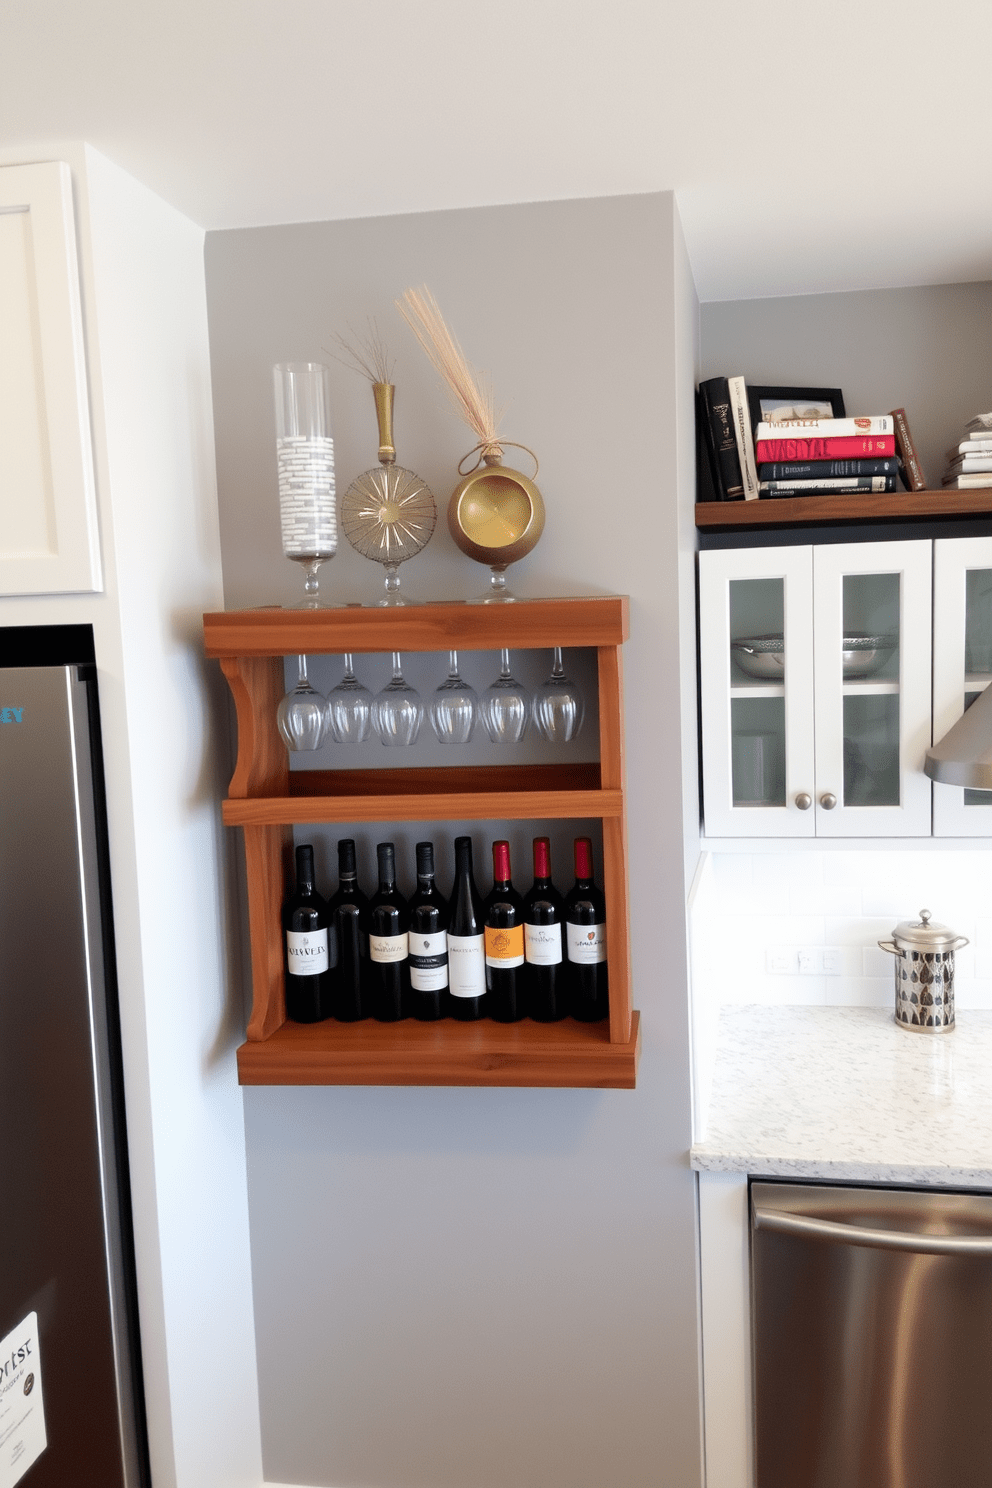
(496, 516)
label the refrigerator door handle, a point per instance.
(845, 1234)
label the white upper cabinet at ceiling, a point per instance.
(49, 540)
(810, 750)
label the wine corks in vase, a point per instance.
(541, 955)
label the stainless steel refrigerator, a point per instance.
(70, 1385)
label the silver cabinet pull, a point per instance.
(845, 1234)
(804, 801)
(829, 801)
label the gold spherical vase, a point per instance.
(496, 516)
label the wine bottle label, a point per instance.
(386, 948)
(466, 965)
(306, 952)
(586, 944)
(428, 962)
(505, 947)
(542, 944)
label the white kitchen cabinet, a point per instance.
(962, 667)
(811, 750)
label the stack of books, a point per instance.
(970, 462)
(827, 456)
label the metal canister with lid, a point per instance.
(924, 953)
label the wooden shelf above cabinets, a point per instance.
(266, 799)
(810, 511)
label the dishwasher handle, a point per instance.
(847, 1234)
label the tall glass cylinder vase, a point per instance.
(305, 456)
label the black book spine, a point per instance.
(715, 395)
(779, 470)
(707, 485)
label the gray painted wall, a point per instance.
(485, 1288)
(926, 349)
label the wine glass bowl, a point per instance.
(559, 706)
(397, 711)
(350, 707)
(454, 706)
(303, 716)
(506, 706)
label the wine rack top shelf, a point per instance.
(594, 620)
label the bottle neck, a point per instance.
(542, 862)
(387, 867)
(425, 883)
(501, 865)
(304, 870)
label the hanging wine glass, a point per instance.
(506, 705)
(303, 716)
(350, 705)
(305, 458)
(397, 711)
(559, 706)
(454, 706)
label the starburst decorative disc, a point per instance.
(388, 514)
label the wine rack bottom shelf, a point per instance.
(567, 1054)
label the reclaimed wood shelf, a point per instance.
(854, 507)
(266, 799)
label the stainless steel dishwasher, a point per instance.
(872, 1337)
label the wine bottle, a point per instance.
(308, 951)
(466, 941)
(546, 973)
(428, 941)
(389, 963)
(585, 940)
(504, 932)
(349, 923)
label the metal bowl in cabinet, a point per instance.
(863, 656)
(761, 657)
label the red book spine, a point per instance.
(826, 449)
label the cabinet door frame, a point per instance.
(913, 561)
(718, 568)
(953, 557)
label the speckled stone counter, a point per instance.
(842, 1092)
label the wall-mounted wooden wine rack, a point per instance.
(266, 798)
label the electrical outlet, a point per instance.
(809, 961)
(832, 959)
(781, 961)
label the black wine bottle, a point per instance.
(428, 941)
(308, 950)
(546, 973)
(585, 940)
(389, 963)
(349, 923)
(466, 941)
(504, 932)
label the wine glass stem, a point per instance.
(453, 666)
(302, 680)
(392, 578)
(397, 668)
(311, 586)
(504, 662)
(557, 669)
(349, 667)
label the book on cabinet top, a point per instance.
(876, 423)
(818, 448)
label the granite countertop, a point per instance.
(842, 1092)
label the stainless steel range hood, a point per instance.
(964, 754)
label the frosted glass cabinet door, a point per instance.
(962, 666)
(872, 654)
(756, 671)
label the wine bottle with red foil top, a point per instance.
(308, 949)
(428, 941)
(466, 941)
(504, 916)
(548, 994)
(389, 950)
(585, 940)
(348, 910)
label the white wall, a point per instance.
(145, 326)
(486, 1287)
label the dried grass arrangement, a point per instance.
(472, 397)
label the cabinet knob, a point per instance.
(829, 801)
(804, 801)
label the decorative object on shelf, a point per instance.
(559, 706)
(350, 707)
(454, 706)
(495, 515)
(305, 458)
(774, 405)
(970, 462)
(506, 705)
(397, 711)
(303, 716)
(388, 513)
(924, 953)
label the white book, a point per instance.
(981, 423)
(974, 444)
(741, 415)
(831, 483)
(845, 428)
(967, 482)
(964, 466)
